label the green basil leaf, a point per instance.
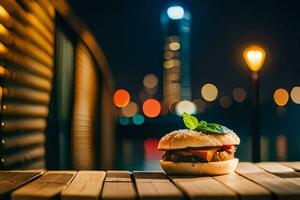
(190, 121)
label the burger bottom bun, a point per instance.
(190, 168)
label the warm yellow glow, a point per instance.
(171, 63)
(209, 92)
(3, 13)
(295, 94)
(254, 57)
(2, 71)
(239, 94)
(281, 97)
(185, 106)
(130, 110)
(3, 30)
(150, 81)
(3, 48)
(174, 46)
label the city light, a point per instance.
(123, 120)
(130, 109)
(295, 95)
(281, 97)
(151, 108)
(174, 46)
(138, 119)
(150, 81)
(209, 92)
(225, 102)
(121, 98)
(175, 12)
(168, 64)
(254, 57)
(239, 94)
(185, 106)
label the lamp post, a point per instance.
(254, 57)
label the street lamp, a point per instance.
(254, 57)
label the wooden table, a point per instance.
(266, 180)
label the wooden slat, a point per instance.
(26, 62)
(155, 185)
(24, 140)
(39, 164)
(86, 185)
(48, 186)
(23, 157)
(274, 167)
(35, 8)
(27, 18)
(25, 79)
(294, 165)
(24, 110)
(246, 189)
(26, 32)
(10, 181)
(118, 185)
(23, 125)
(47, 7)
(23, 45)
(204, 188)
(282, 188)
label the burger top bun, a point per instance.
(181, 139)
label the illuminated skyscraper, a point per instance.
(176, 24)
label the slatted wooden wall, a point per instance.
(83, 125)
(26, 70)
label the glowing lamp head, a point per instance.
(175, 12)
(254, 57)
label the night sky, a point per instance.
(130, 34)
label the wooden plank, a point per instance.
(294, 165)
(117, 176)
(204, 188)
(23, 140)
(10, 181)
(282, 188)
(274, 167)
(246, 189)
(118, 185)
(86, 185)
(118, 190)
(141, 176)
(47, 187)
(155, 185)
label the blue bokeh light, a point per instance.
(175, 12)
(123, 120)
(138, 119)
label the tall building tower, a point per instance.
(176, 24)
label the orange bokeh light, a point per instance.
(281, 97)
(121, 98)
(151, 108)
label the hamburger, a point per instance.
(202, 149)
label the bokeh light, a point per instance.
(175, 12)
(174, 46)
(209, 92)
(239, 94)
(130, 109)
(172, 106)
(185, 106)
(121, 98)
(168, 64)
(151, 108)
(123, 120)
(295, 94)
(138, 119)
(281, 97)
(200, 104)
(225, 102)
(150, 81)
